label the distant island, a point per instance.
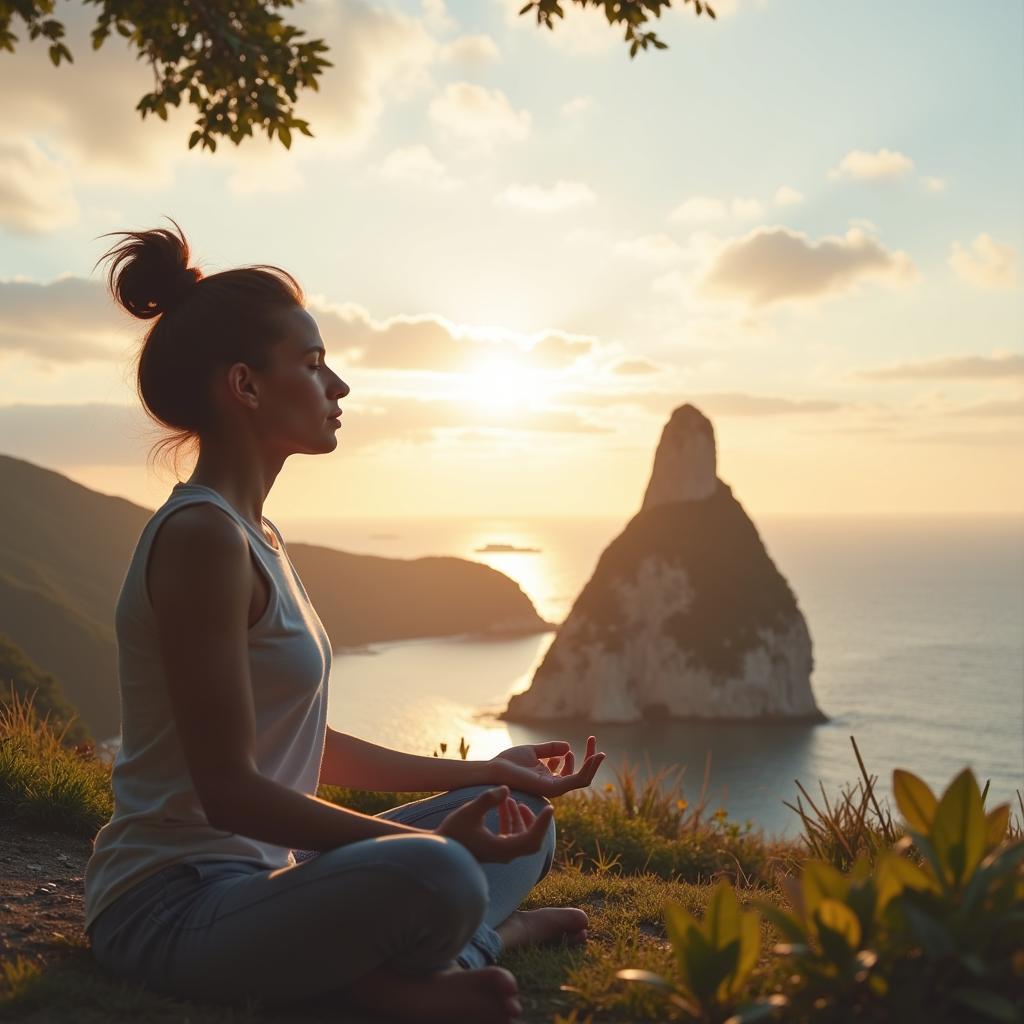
(494, 548)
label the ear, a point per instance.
(242, 385)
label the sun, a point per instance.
(503, 384)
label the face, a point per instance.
(297, 393)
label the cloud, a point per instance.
(69, 320)
(991, 265)
(634, 367)
(35, 190)
(704, 209)
(952, 368)
(472, 52)
(90, 434)
(650, 248)
(933, 185)
(481, 116)
(720, 403)
(417, 165)
(559, 351)
(437, 18)
(882, 165)
(993, 407)
(576, 105)
(563, 195)
(786, 196)
(773, 264)
(84, 112)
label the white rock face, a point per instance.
(685, 464)
(686, 616)
(652, 675)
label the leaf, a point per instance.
(839, 918)
(930, 933)
(680, 926)
(821, 881)
(958, 829)
(915, 800)
(893, 874)
(986, 1003)
(750, 947)
(722, 920)
(194, 138)
(785, 922)
(995, 825)
(761, 1009)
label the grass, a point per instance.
(623, 850)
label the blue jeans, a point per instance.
(415, 903)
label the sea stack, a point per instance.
(686, 616)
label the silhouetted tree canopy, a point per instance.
(239, 64)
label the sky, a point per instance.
(524, 249)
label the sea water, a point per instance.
(918, 633)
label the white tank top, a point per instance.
(158, 819)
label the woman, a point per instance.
(193, 886)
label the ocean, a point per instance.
(918, 632)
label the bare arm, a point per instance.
(200, 585)
(349, 761)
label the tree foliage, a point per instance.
(633, 13)
(239, 63)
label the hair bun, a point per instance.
(148, 271)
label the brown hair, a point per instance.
(202, 324)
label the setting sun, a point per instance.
(504, 384)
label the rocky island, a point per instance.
(686, 616)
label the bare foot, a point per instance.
(549, 924)
(488, 995)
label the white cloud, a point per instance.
(35, 191)
(933, 185)
(1007, 366)
(480, 116)
(786, 196)
(437, 18)
(704, 209)
(658, 248)
(417, 165)
(472, 52)
(882, 165)
(576, 105)
(988, 264)
(563, 195)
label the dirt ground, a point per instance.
(40, 891)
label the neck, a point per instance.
(239, 470)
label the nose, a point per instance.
(341, 389)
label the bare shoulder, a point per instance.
(198, 539)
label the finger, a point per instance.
(553, 748)
(503, 817)
(530, 840)
(527, 814)
(570, 762)
(516, 817)
(552, 764)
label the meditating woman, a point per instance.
(193, 886)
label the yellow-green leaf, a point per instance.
(680, 925)
(959, 829)
(838, 917)
(915, 800)
(821, 881)
(722, 920)
(995, 825)
(893, 874)
(750, 946)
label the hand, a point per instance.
(534, 767)
(520, 831)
